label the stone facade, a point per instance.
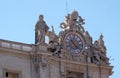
(71, 54)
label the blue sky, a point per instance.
(18, 18)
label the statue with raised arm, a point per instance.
(40, 30)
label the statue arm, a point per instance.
(45, 26)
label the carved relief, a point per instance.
(36, 58)
(44, 62)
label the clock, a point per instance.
(73, 42)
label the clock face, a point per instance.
(73, 42)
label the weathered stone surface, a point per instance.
(59, 57)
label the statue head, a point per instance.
(101, 36)
(41, 17)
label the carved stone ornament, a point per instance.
(73, 42)
(44, 62)
(73, 21)
(36, 58)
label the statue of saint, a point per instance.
(40, 30)
(100, 51)
(101, 44)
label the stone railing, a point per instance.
(15, 45)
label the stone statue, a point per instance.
(98, 55)
(101, 44)
(40, 30)
(53, 45)
(100, 40)
(52, 36)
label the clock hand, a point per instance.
(74, 43)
